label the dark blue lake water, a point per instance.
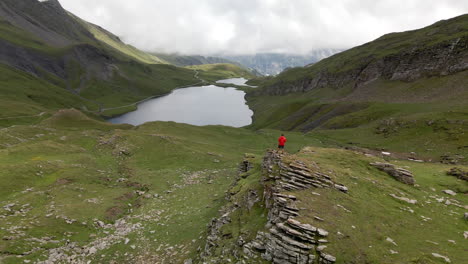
(205, 105)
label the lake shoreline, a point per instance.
(199, 84)
(235, 106)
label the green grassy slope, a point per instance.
(359, 222)
(430, 128)
(19, 36)
(68, 172)
(83, 81)
(26, 96)
(375, 215)
(156, 186)
(335, 98)
(96, 72)
(218, 71)
(72, 185)
(113, 41)
(385, 46)
(188, 60)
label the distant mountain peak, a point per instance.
(54, 3)
(275, 63)
(47, 20)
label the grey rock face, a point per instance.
(246, 164)
(399, 174)
(415, 62)
(96, 63)
(47, 21)
(289, 241)
(459, 173)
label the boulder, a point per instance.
(449, 192)
(459, 173)
(399, 174)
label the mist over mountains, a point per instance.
(374, 170)
(275, 63)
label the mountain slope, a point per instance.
(218, 71)
(437, 50)
(79, 64)
(87, 186)
(190, 60)
(326, 205)
(76, 190)
(404, 91)
(113, 41)
(46, 20)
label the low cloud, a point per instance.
(254, 26)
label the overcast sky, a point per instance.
(255, 26)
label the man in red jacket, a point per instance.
(281, 141)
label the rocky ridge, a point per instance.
(46, 20)
(96, 62)
(285, 240)
(411, 62)
(288, 240)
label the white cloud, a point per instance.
(252, 26)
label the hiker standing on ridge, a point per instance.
(281, 141)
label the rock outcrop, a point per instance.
(50, 24)
(246, 164)
(459, 173)
(94, 61)
(46, 20)
(412, 63)
(288, 240)
(285, 240)
(400, 174)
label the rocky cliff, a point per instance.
(438, 50)
(46, 20)
(284, 239)
(413, 63)
(288, 240)
(56, 47)
(95, 62)
(40, 42)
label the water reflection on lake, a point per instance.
(206, 105)
(235, 81)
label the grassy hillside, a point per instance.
(45, 68)
(157, 185)
(405, 92)
(364, 225)
(445, 31)
(189, 60)
(74, 189)
(113, 41)
(72, 185)
(218, 71)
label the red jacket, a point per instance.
(281, 140)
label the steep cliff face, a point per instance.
(414, 78)
(287, 239)
(46, 20)
(40, 38)
(283, 239)
(438, 50)
(94, 61)
(413, 63)
(42, 42)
